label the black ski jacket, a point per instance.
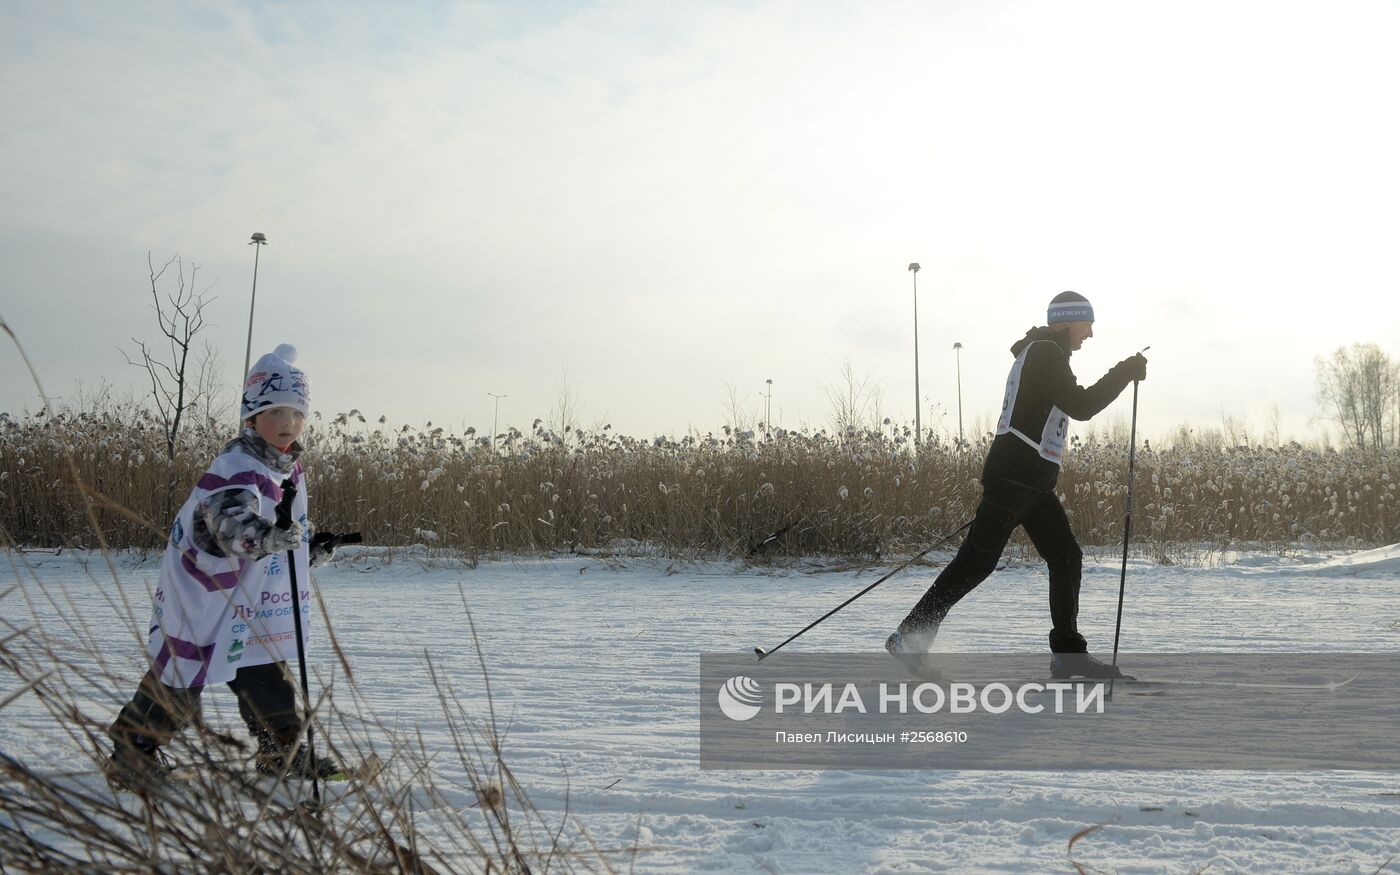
(1042, 395)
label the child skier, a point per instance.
(222, 609)
(1018, 487)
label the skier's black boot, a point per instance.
(1064, 666)
(300, 765)
(152, 717)
(278, 758)
(913, 651)
(895, 645)
(136, 765)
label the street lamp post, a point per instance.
(918, 417)
(495, 418)
(957, 351)
(768, 414)
(257, 241)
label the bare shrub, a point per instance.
(216, 815)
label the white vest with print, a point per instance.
(1050, 443)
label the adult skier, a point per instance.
(222, 605)
(1018, 487)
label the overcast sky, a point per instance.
(650, 200)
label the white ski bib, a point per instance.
(1051, 443)
(213, 614)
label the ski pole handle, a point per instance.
(284, 507)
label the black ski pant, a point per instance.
(1004, 506)
(266, 702)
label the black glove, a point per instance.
(323, 545)
(1135, 366)
(322, 548)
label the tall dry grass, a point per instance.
(58, 814)
(864, 493)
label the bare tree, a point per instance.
(877, 418)
(563, 419)
(1236, 430)
(180, 316)
(735, 416)
(1358, 387)
(852, 398)
(212, 395)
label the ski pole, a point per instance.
(1127, 534)
(764, 654)
(284, 522)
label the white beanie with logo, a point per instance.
(275, 382)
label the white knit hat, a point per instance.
(275, 382)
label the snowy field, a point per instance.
(595, 669)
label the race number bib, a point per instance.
(1052, 439)
(1051, 445)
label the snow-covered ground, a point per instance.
(595, 669)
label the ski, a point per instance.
(1137, 686)
(1320, 686)
(184, 776)
(922, 666)
(362, 772)
(365, 770)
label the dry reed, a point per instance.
(860, 495)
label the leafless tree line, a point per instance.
(1359, 390)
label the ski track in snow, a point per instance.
(594, 670)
